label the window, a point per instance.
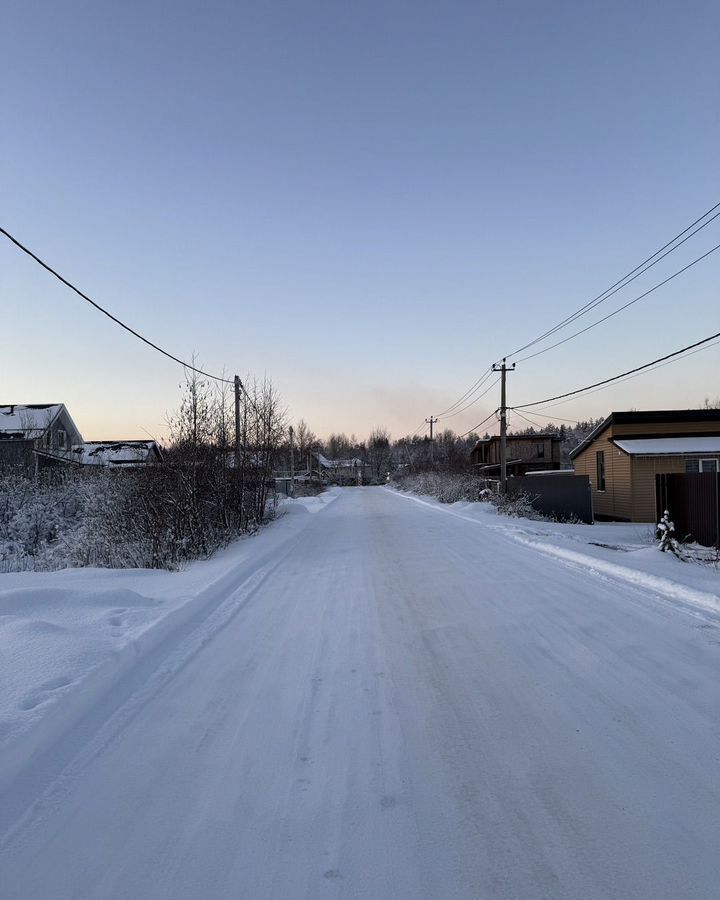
(701, 465)
(540, 450)
(61, 439)
(600, 460)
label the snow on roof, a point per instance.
(113, 453)
(674, 446)
(339, 463)
(27, 420)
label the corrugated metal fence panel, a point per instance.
(693, 501)
(560, 496)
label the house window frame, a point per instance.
(708, 459)
(61, 439)
(540, 450)
(600, 471)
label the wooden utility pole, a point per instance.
(503, 369)
(237, 423)
(431, 422)
(292, 461)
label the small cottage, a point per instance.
(625, 452)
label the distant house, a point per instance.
(341, 471)
(43, 436)
(27, 429)
(524, 453)
(625, 452)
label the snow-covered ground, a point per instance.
(390, 700)
(66, 635)
(618, 550)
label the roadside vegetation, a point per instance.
(158, 516)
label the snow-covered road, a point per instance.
(400, 705)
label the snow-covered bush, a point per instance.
(65, 518)
(518, 506)
(445, 486)
(450, 488)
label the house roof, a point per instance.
(648, 417)
(105, 453)
(674, 446)
(114, 453)
(27, 420)
(339, 463)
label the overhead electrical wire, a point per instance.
(479, 424)
(115, 319)
(474, 387)
(472, 402)
(710, 215)
(623, 307)
(540, 413)
(618, 377)
(646, 264)
(651, 368)
(529, 421)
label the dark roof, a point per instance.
(648, 417)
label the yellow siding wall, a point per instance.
(644, 470)
(615, 500)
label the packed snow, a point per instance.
(389, 700)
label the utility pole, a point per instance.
(431, 422)
(237, 423)
(292, 461)
(503, 369)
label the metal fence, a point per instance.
(562, 497)
(693, 500)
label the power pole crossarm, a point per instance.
(503, 369)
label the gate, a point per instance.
(693, 500)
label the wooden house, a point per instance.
(625, 452)
(25, 430)
(524, 452)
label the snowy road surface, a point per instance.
(400, 705)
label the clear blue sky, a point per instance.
(369, 202)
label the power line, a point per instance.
(114, 318)
(622, 375)
(529, 421)
(623, 282)
(472, 402)
(479, 424)
(626, 279)
(481, 380)
(542, 412)
(639, 374)
(623, 307)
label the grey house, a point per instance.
(26, 430)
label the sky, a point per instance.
(369, 203)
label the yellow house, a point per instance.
(625, 452)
